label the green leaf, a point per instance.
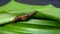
(51, 13)
(6, 18)
(21, 8)
(41, 22)
(43, 11)
(29, 27)
(13, 5)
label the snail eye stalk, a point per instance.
(24, 17)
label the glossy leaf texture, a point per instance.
(43, 11)
(31, 26)
(6, 17)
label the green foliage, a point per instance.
(31, 26)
